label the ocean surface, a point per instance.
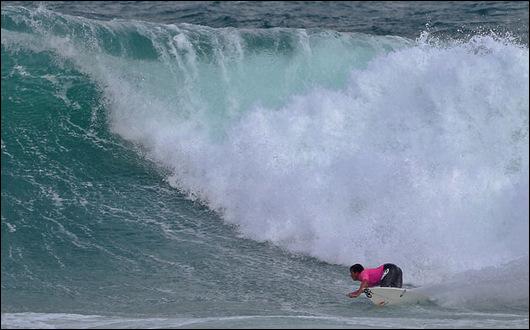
(222, 164)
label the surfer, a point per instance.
(386, 275)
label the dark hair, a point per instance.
(357, 268)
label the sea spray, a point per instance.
(505, 284)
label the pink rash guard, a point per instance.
(372, 275)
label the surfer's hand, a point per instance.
(352, 295)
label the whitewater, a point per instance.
(314, 149)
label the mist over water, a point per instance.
(340, 146)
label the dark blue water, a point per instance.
(221, 164)
(407, 19)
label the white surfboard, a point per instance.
(383, 296)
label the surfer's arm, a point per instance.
(355, 294)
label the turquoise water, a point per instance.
(223, 164)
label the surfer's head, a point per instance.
(355, 270)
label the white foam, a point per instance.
(422, 160)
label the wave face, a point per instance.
(344, 147)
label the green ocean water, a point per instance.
(219, 164)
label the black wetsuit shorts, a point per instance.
(392, 276)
